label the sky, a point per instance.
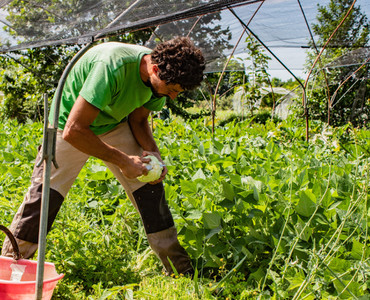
(297, 58)
(280, 24)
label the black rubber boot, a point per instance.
(160, 230)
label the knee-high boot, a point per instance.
(159, 227)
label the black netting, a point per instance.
(352, 58)
(61, 22)
(4, 2)
(280, 24)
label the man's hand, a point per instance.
(134, 167)
(157, 155)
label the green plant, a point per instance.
(26, 76)
(257, 73)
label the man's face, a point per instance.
(161, 89)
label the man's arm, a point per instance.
(140, 128)
(78, 133)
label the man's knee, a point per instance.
(27, 227)
(26, 249)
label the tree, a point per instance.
(35, 20)
(26, 75)
(348, 103)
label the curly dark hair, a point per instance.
(179, 62)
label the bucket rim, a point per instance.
(8, 282)
(28, 262)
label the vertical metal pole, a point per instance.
(49, 136)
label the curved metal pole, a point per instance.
(48, 157)
(62, 80)
(225, 66)
(285, 67)
(317, 53)
(49, 145)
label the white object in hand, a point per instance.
(154, 167)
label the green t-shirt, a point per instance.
(108, 77)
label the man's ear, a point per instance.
(155, 69)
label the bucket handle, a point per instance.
(16, 254)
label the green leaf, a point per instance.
(194, 215)
(99, 175)
(93, 204)
(228, 190)
(15, 171)
(248, 180)
(257, 276)
(306, 205)
(3, 169)
(213, 232)
(201, 149)
(357, 249)
(296, 280)
(228, 163)
(9, 157)
(219, 146)
(248, 196)
(199, 175)
(188, 187)
(170, 192)
(352, 288)
(338, 265)
(305, 232)
(211, 220)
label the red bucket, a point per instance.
(18, 279)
